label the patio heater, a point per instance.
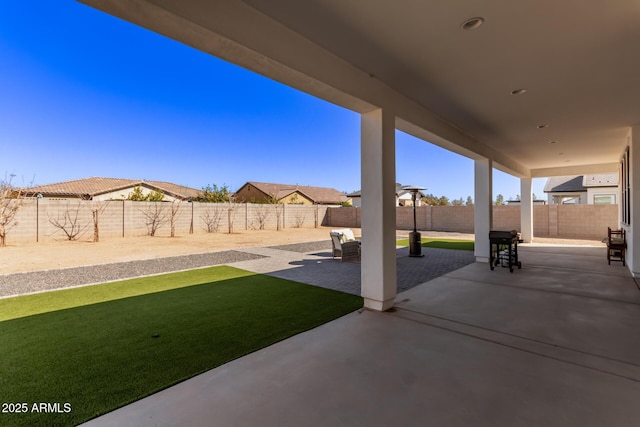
(415, 242)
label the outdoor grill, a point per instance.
(504, 249)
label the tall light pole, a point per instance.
(415, 240)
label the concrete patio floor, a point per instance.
(553, 344)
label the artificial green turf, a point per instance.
(95, 349)
(428, 242)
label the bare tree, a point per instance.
(299, 220)
(69, 222)
(175, 207)
(261, 214)
(154, 217)
(279, 208)
(11, 199)
(212, 218)
(96, 208)
(231, 208)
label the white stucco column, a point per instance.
(378, 163)
(633, 228)
(526, 210)
(483, 207)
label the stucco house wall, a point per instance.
(124, 193)
(598, 195)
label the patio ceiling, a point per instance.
(577, 61)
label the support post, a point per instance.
(526, 210)
(378, 267)
(483, 207)
(633, 234)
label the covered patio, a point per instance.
(534, 89)
(553, 344)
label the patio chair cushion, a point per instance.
(345, 235)
(348, 235)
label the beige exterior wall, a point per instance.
(249, 193)
(506, 218)
(124, 193)
(296, 198)
(541, 220)
(117, 195)
(344, 217)
(126, 218)
(447, 218)
(564, 221)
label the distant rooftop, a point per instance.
(399, 191)
(577, 184)
(87, 188)
(321, 195)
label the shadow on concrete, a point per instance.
(334, 274)
(554, 344)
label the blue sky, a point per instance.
(85, 94)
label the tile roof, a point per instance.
(574, 184)
(564, 184)
(322, 195)
(90, 187)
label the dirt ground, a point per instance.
(62, 254)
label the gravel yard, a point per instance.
(40, 267)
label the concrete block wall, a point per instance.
(301, 216)
(452, 218)
(577, 222)
(127, 218)
(506, 217)
(26, 220)
(540, 220)
(562, 221)
(404, 217)
(344, 217)
(215, 216)
(553, 230)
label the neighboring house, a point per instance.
(602, 189)
(355, 199)
(403, 197)
(97, 188)
(583, 189)
(261, 192)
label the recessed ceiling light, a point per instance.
(472, 23)
(542, 126)
(518, 91)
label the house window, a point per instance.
(571, 200)
(625, 183)
(604, 199)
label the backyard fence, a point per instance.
(42, 219)
(37, 218)
(562, 221)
